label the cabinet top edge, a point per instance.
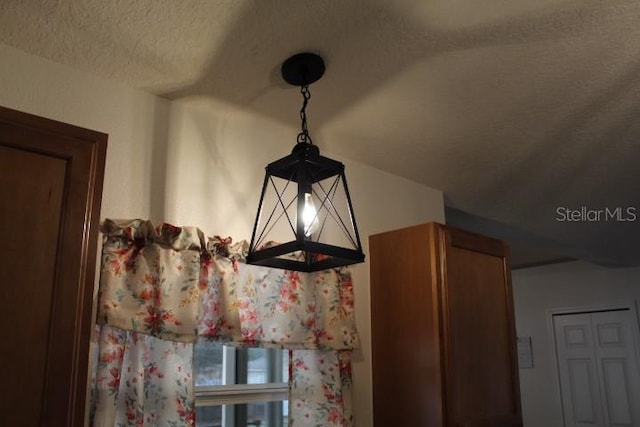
(417, 227)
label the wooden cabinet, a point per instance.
(51, 178)
(443, 334)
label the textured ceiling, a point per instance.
(513, 109)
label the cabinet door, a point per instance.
(51, 186)
(481, 376)
(404, 330)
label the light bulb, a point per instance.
(309, 215)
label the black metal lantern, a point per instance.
(305, 219)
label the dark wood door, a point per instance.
(50, 190)
(481, 374)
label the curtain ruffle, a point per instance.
(173, 283)
(141, 233)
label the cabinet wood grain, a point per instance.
(443, 334)
(51, 186)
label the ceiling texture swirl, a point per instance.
(525, 114)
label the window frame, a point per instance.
(234, 397)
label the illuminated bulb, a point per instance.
(309, 215)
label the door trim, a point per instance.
(616, 305)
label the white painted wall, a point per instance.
(541, 289)
(135, 121)
(200, 162)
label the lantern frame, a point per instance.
(305, 167)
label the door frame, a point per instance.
(631, 305)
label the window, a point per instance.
(238, 387)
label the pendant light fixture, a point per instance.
(305, 220)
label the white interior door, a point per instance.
(599, 368)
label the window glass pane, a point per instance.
(265, 414)
(216, 364)
(257, 414)
(209, 416)
(208, 365)
(257, 369)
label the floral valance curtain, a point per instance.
(161, 289)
